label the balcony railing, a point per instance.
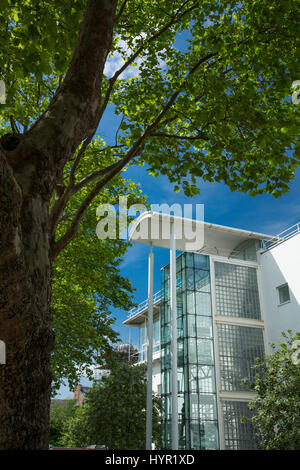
(281, 237)
(144, 305)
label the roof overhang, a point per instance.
(153, 228)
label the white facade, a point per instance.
(156, 373)
(280, 265)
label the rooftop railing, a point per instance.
(281, 237)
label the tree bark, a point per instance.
(25, 320)
(30, 166)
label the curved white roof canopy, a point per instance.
(191, 235)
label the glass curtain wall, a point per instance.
(197, 407)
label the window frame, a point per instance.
(278, 294)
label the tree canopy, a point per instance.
(211, 94)
(59, 417)
(113, 413)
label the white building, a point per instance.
(235, 294)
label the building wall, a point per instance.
(281, 265)
(156, 373)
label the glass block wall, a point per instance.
(239, 433)
(239, 346)
(237, 295)
(236, 291)
(197, 405)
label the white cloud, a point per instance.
(116, 61)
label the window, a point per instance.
(239, 347)
(237, 291)
(238, 435)
(284, 294)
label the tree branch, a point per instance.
(200, 136)
(121, 11)
(13, 125)
(92, 176)
(73, 188)
(135, 55)
(73, 113)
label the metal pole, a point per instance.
(129, 344)
(149, 353)
(173, 305)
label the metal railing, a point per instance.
(144, 305)
(281, 237)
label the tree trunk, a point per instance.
(25, 320)
(30, 166)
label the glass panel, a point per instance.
(190, 301)
(204, 327)
(180, 360)
(203, 303)
(194, 406)
(201, 261)
(191, 319)
(180, 327)
(237, 291)
(239, 347)
(178, 264)
(165, 334)
(202, 280)
(238, 435)
(189, 258)
(165, 385)
(192, 350)
(208, 407)
(206, 379)
(205, 351)
(210, 437)
(180, 380)
(195, 434)
(156, 335)
(190, 279)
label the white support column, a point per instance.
(149, 353)
(217, 355)
(173, 306)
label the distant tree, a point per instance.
(59, 417)
(277, 405)
(114, 412)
